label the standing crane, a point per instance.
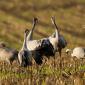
(61, 41)
(24, 55)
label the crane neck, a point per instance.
(25, 41)
(30, 35)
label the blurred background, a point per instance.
(17, 15)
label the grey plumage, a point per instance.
(8, 54)
(62, 43)
(24, 54)
(78, 52)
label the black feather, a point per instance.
(38, 57)
(46, 49)
(25, 59)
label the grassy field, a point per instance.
(17, 15)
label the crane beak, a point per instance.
(53, 19)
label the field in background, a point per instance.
(17, 15)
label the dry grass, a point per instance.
(46, 74)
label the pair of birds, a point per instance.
(39, 48)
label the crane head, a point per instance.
(26, 32)
(35, 20)
(54, 23)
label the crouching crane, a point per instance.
(78, 52)
(8, 54)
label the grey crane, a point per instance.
(62, 43)
(24, 55)
(78, 52)
(8, 54)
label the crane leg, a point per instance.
(60, 61)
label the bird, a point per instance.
(77, 52)
(24, 55)
(32, 44)
(62, 43)
(8, 54)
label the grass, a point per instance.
(12, 74)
